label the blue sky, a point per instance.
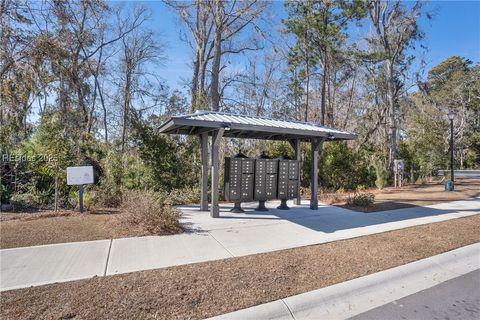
(454, 30)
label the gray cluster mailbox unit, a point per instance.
(260, 179)
(288, 175)
(239, 180)
(266, 170)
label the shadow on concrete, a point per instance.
(327, 219)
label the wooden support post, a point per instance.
(316, 148)
(298, 157)
(216, 138)
(204, 156)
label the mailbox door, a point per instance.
(234, 183)
(247, 166)
(247, 187)
(272, 166)
(260, 174)
(282, 179)
(292, 189)
(293, 169)
(271, 186)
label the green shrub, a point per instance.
(361, 188)
(382, 175)
(187, 195)
(25, 201)
(150, 211)
(343, 167)
(361, 199)
(107, 194)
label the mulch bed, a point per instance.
(206, 289)
(48, 227)
(417, 195)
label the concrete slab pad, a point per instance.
(143, 253)
(256, 239)
(195, 219)
(33, 266)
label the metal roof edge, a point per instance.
(204, 112)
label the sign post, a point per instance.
(80, 176)
(398, 173)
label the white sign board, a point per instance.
(79, 175)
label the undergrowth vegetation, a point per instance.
(150, 211)
(366, 199)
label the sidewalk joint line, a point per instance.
(288, 308)
(228, 251)
(108, 257)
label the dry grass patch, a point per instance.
(141, 214)
(150, 212)
(206, 289)
(416, 195)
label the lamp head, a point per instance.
(451, 115)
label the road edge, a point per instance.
(349, 298)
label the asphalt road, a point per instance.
(458, 298)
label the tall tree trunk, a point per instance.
(104, 107)
(217, 56)
(307, 69)
(323, 96)
(126, 107)
(391, 110)
(196, 64)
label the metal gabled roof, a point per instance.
(244, 126)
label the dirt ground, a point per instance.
(419, 195)
(29, 229)
(206, 289)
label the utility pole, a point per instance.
(451, 116)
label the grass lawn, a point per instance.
(206, 289)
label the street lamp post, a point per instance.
(451, 116)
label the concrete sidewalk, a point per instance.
(350, 298)
(211, 239)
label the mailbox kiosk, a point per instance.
(266, 170)
(239, 180)
(287, 180)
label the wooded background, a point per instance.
(81, 84)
